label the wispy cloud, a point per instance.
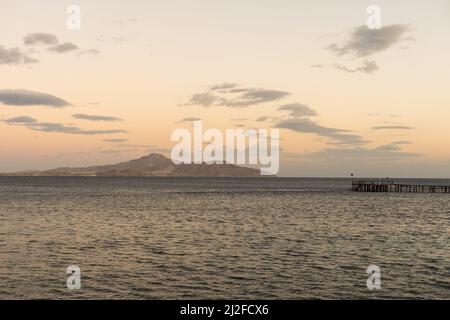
(48, 39)
(21, 97)
(35, 125)
(234, 96)
(20, 120)
(139, 146)
(189, 119)
(115, 140)
(15, 56)
(361, 153)
(61, 128)
(40, 38)
(377, 114)
(392, 128)
(63, 47)
(304, 125)
(389, 152)
(366, 67)
(87, 52)
(298, 120)
(298, 110)
(393, 146)
(95, 117)
(268, 118)
(146, 148)
(363, 42)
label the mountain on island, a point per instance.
(151, 165)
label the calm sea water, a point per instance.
(207, 238)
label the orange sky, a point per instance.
(143, 62)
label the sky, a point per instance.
(347, 99)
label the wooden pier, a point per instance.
(390, 186)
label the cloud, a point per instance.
(318, 66)
(363, 42)
(94, 117)
(268, 118)
(262, 118)
(376, 114)
(233, 96)
(298, 110)
(147, 148)
(203, 99)
(88, 51)
(392, 128)
(33, 124)
(388, 152)
(257, 96)
(189, 119)
(304, 125)
(115, 140)
(152, 149)
(367, 67)
(160, 150)
(360, 153)
(61, 128)
(138, 146)
(40, 38)
(389, 147)
(20, 120)
(20, 97)
(223, 86)
(63, 48)
(15, 56)
(299, 121)
(393, 146)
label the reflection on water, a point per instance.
(167, 238)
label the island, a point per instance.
(153, 164)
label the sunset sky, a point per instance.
(347, 99)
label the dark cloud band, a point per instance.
(94, 117)
(20, 97)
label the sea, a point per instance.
(220, 238)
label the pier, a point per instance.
(390, 186)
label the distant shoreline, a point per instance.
(14, 175)
(152, 165)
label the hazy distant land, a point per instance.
(150, 165)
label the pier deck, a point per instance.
(390, 186)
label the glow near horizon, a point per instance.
(154, 55)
